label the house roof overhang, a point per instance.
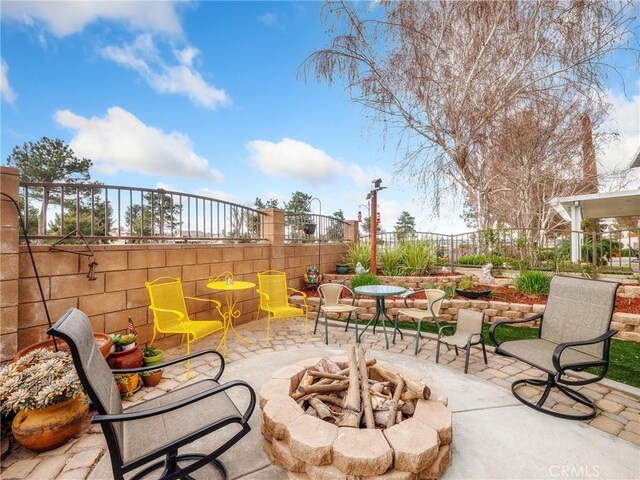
(600, 205)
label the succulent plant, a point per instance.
(39, 379)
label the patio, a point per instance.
(485, 414)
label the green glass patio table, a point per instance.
(379, 292)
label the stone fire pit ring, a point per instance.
(418, 448)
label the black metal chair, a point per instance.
(574, 334)
(158, 427)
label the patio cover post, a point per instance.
(576, 235)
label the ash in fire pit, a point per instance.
(340, 417)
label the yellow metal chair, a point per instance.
(170, 313)
(274, 299)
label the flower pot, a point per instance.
(154, 360)
(153, 379)
(126, 348)
(49, 427)
(309, 228)
(473, 295)
(102, 340)
(129, 385)
(125, 359)
(342, 269)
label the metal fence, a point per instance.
(115, 214)
(311, 228)
(603, 252)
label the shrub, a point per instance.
(390, 261)
(533, 282)
(418, 258)
(359, 252)
(364, 279)
(465, 283)
(473, 260)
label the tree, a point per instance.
(298, 203)
(48, 161)
(270, 203)
(405, 226)
(155, 215)
(448, 74)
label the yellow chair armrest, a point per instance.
(304, 295)
(217, 303)
(265, 294)
(179, 314)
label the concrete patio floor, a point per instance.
(494, 435)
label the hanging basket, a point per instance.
(309, 228)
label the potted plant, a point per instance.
(45, 391)
(124, 354)
(342, 268)
(128, 383)
(151, 378)
(467, 289)
(309, 228)
(152, 355)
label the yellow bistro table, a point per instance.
(231, 301)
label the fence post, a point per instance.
(594, 259)
(273, 225)
(451, 253)
(9, 258)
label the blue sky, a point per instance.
(206, 98)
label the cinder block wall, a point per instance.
(118, 292)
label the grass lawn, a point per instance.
(624, 357)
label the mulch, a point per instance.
(511, 295)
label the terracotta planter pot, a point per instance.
(125, 359)
(49, 427)
(153, 379)
(102, 340)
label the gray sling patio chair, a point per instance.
(330, 303)
(468, 333)
(574, 334)
(156, 428)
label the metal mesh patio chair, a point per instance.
(574, 334)
(274, 299)
(330, 303)
(156, 428)
(435, 298)
(468, 332)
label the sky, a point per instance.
(207, 98)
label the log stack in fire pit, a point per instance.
(345, 418)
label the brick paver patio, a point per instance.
(619, 408)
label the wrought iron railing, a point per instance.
(116, 214)
(604, 252)
(309, 228)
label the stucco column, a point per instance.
(351, 231)
(273, 229)
(9, 257)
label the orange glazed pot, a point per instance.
(49, 427)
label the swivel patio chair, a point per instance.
(330, 303)
(574, 334)
(434, 297)
(274, 299)
(468, 332)
(170, 313)
(156, 428)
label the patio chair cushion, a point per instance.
(338, 308)
(415, 313)
(148, 434)
(538, 352)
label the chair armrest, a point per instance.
(443, 328)
(560, 348)
(408, 294)
(353, 294)
(493, 327)
(217, 303)
(125, 417)
(160, 366)
(263, 294)
(431, 304)
(179, 314)
(304, 295)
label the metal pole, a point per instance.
(318, 227)
(373, 229)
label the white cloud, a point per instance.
(268, 19)
(6, 92)
(624, 120)
(220, 195)
(143, 57)
(299, 160)
(69, 17)
(121, 142)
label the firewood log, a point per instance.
(311, 411)
(326, 365)
(322, 410)
(394, 404)
(418, 387)
(408, 408)
(364, 380)
(381, 418)
(332, 376)
(352, 412)
(332, 399)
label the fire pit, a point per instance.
(312, 426)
